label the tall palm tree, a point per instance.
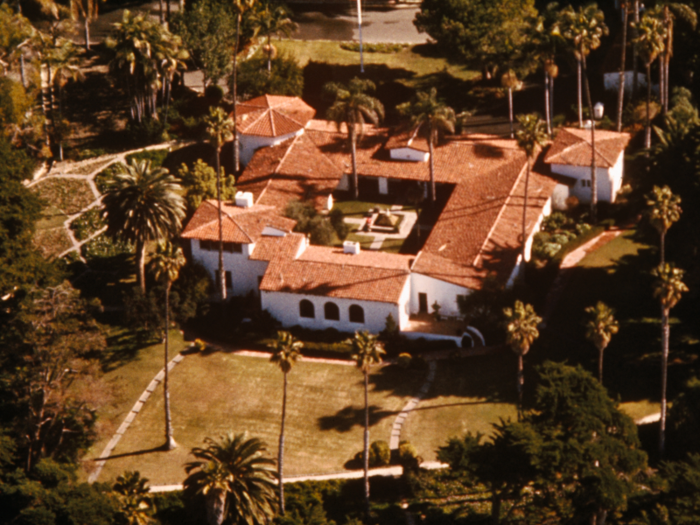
(600, 327)
(584, 29)
(547, 38)
(273, 19)
(220, 129)
(353, 107)
(240, 7)
(521, 332)
(65, 66)
(625, 5)
(664, 210)
(167, 262)
(286, 352)
(668, 288)
(671, 11)
(530, 135)
(236, 478)
(510, 81)
(649, 43)
(366, 351)
(134, 498)
(426, 109)
(143, 204)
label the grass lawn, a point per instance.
(358, 208)
(468, 395)
(214, 393)
(364, 240)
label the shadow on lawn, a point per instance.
(143, 452)
(349, 417)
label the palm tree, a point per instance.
(649, 43)
(220, 129)
(85, 10)
(584, 29)
(134, 498)
(167, 262)
(143, 204)
(240, 7)
(65, 66)
(529, 137)
(235, 477)
(353, 107)
(366, 351)
(521, 332)
(625, 5)
(665, 209)
(510, 81)
(286, 352)
(671, 11)
(668, 287)
(600, 328)
(426, 109)
(547, 37)
(271, 20)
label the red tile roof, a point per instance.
(295, 169)
(572, 147)
(367, 276)
(287, 247)
(273, 116)
(408, 137)
(240, 225)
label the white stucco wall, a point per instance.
(444, 293)
(612, 81)
(606, 186)
(244, 272)
(249, 143)
(411, 154)
(383, 185)
(285, 308)
(546, 210)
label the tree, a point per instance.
(50, 372)
(353, 107)
(671, 11)
(236, 479)
(680, 498)
(85, 10)
(664, 210)
(200, 183)
(429, 111)
(529, 137)
(583, 29)
(143, 204)
(600, 327)
(134, 498)
(286, 352)
(366, 352)
(626, 5)
(668, 288)
(485, 34)
(511, 82)
(15, 36)
(270, 20)
(521, 332)
(649, 43)
(684, 420)
(220, 129)
(286, 77)
(167, 262)
(240, 7)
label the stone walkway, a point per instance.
(407, 224)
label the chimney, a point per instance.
(350, 247)
(244, 200)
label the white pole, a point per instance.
(359, 26)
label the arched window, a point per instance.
(306, 309)
(331, 311)
(357, 314)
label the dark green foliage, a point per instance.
(214, 94)
(379, 454)
(310, 222)
(103, 178)
(369, 47)
(338, 223)
(684, 421)
(87, 224)
(483, 308)
(680, 498)
(200, 184)
(104, 246)
(285, 78)
(190, 292)
(408, 457)
(146, 132)
(144, 312)
(156, 156)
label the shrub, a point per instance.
(156, 156)
(200, 184)
(404, 360)
(148, 131)
(408, 457)
(310, 222)
(103, 177)
(285, 78)
(188, 297)
(379, 454)
(214, 94)
(104, 246)
(87, 224)
(339, 224)
(372, 48)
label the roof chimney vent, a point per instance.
(350, 247)
(244, 200)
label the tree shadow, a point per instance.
(349, 417)
(143, 452)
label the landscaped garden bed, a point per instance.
(69, 195)
(52, 242)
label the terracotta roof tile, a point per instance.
(572, 147)
(240, 225)
(408, 137)
(273, 116)
(269, 248)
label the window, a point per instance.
(207, 245)
(233, 247)
(357, 314)
(586, 183)
(229, 281)
(331, 312)
(423, 303)
(306, 309)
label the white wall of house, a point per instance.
(612, 81)
(546, 210)
(442, 292)
(609, 181)
(285, 308)
(250, 143)
(244, 272)
(411, 154)
(383, 185)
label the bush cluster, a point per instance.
(558, 229)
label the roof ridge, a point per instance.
(286, 154)
(234, 221)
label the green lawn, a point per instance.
(214, 393)
(358, 208)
